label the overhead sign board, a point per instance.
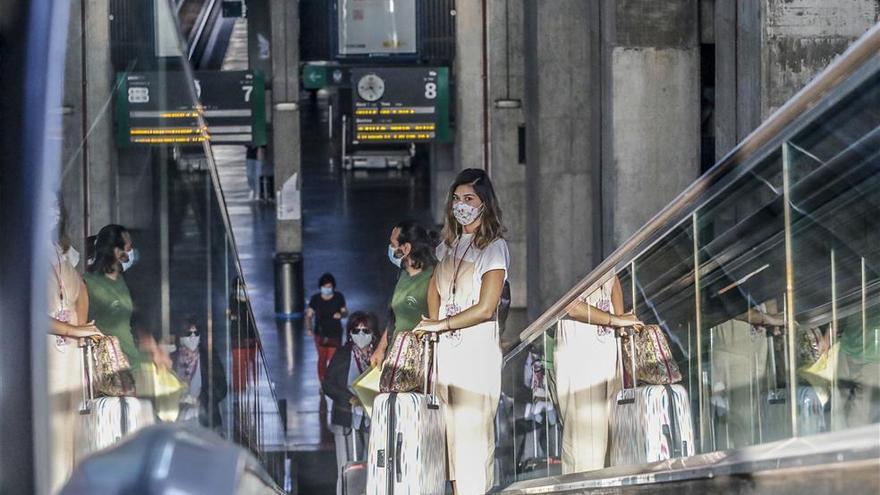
(376, 27)
(400, 105)
(156, 108)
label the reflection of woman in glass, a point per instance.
(68, 306)
(586, 374)
(858, 389)
(111, 306)
(463, 295)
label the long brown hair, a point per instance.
(491, 227)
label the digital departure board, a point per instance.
(400, 105)
(155, 108)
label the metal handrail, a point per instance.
(867, 47)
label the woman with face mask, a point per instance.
(110, 305)
(411, 250)
(349, 423)
(204, 390)
(324, 321)
(463, 297)
(68, 306)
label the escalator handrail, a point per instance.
(219, 194)
(770, 133)
(834, 448)
(201, 29)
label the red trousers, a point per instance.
(325, 354)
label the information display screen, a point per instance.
(400, 105)
(376, 27)
(156, 108)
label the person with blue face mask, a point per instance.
(324, 321)
(411, 250)
(110, 303)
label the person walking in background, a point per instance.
(411, 250)
(349, 423)
(324, 321)
(254, 169)
(463, 297)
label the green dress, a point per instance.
(110, 307)
(410, 300)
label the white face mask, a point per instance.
(54, 214)
(132, 259)
(362, 339)
(392, 255)
(466, 214)
(326, 291)
(191, 342)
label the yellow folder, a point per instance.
(366, 388)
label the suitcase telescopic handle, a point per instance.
(429, 368)
(623, 397)
(88, 392)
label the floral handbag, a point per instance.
(112, 373)
(404, 366)
(653, 358)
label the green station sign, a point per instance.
(156, 108)
(400, 105)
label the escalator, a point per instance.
(775, 245)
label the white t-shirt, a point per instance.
(471, 264)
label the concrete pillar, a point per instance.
(72, 171)
(284, 25)
(767, 50)
(562, 146)
(442, 174)
(468, 73)
(505, 72)
(89, 173)
(100, 158)
(651, 110)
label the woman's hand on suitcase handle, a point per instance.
(88, 330)
(626, 320)
(428, 325)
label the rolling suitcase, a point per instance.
(407, 448)
(354, 478)
(354, 472)
(649, 423)
(104, 421)
(775, 411)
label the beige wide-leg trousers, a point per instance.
(469, 382)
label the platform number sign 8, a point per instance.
(139, 95)
(430, 90)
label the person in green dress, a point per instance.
(411, 249)
(110, 303)
(858, 371)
